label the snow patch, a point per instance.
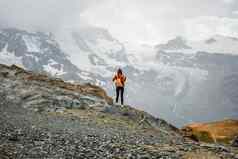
(100, 83)
(52, 70)
(34, 57)
(85, 77)
(9, 58)
(69, 45)
(181, 75)
(101, 47)
(140, 53)
(32, 43)
(106, 50)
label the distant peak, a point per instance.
(210, 41)
(174, 44)
(180, 38)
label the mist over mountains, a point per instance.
(181, 81)
(57, 96)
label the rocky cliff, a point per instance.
(44, 117)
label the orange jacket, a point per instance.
(119, 80)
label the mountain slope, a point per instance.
(35, 51)
(218, 132)
(44, 117)
(40, 52)
(93, 49)
(210, 67)
(169, 83)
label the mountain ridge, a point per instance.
(44, 117)
(170, 82)
(215, 44)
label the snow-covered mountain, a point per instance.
(35, 51)
(210, 76)
(177, 81)
(139, 54)
(215, 44)
(93, 49)
(38, 51)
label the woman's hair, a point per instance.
(119, 71)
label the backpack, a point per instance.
(120, 81)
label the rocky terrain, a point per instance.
(44, 117)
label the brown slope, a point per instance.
(220, 131)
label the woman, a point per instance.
(119, 80)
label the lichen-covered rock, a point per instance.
(42, 93)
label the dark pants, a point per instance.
(119, 90)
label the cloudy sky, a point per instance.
(139, 21)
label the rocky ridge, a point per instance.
(44, 117)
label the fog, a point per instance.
(139, 21)
(46, 15)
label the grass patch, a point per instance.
(105, 119)
(203, 136)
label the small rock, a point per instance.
(236, 156)
(235, 142)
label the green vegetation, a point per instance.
(203, 136)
